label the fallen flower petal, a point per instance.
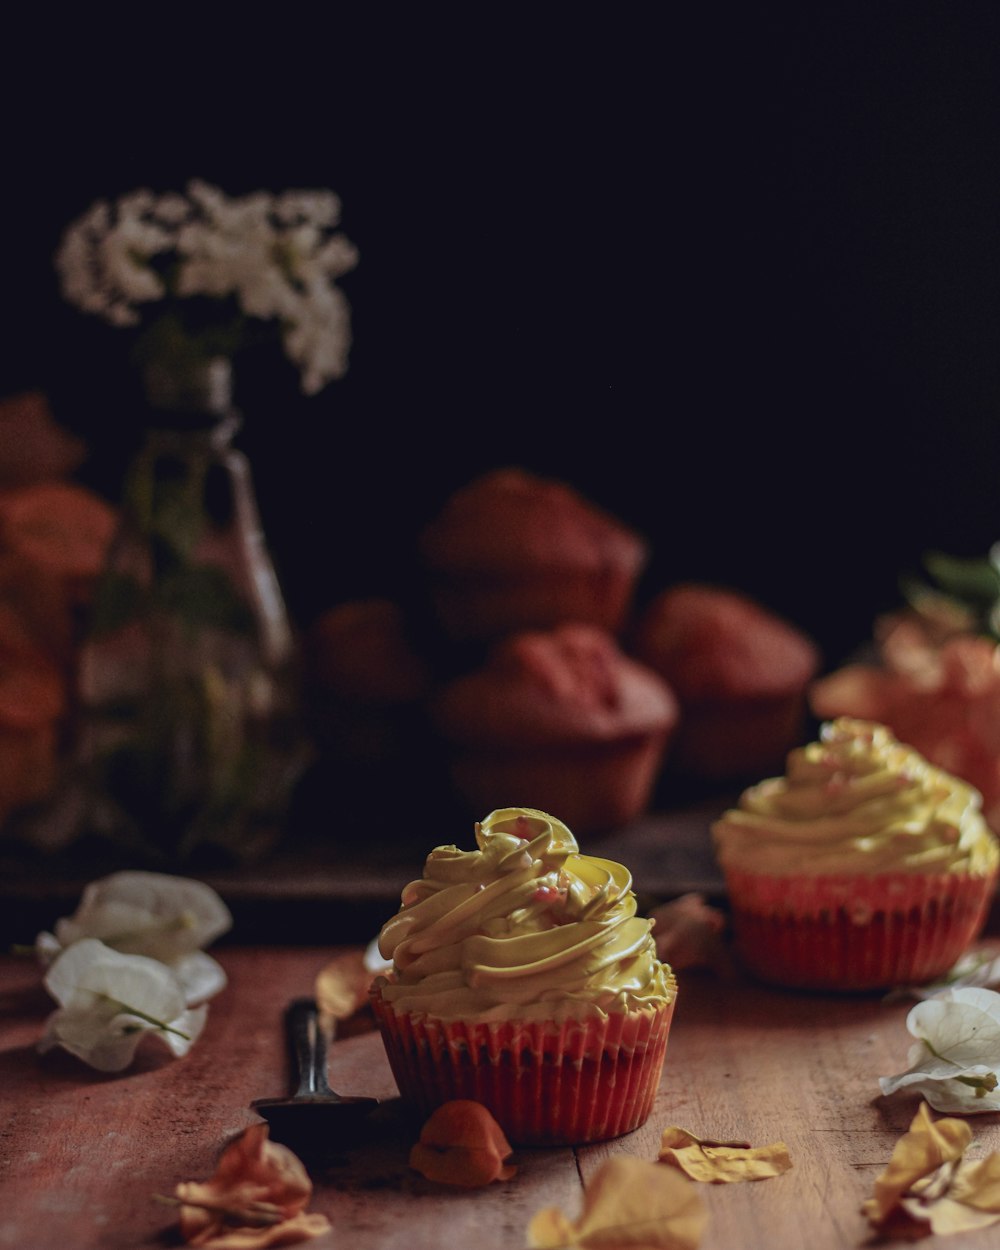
(200, 976)
(718, 1162)
(256, 1198)
(926, 1147)
(629, 1203)
(930, 1187)
(462, 1144)
(944, 1215)
(978, 1184)
(955, 1061)
(342, 985)
(108, 1001)
(144, 913)
(688, 932)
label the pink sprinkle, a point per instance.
(522, 829)
(547, 894)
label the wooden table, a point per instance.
(82, 1153)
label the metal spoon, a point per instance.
(314, 1113)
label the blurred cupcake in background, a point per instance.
(512, 551)
(740, 673)
(861, 867)
(561, 717)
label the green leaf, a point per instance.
(973, 579)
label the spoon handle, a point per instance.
(309, 1041)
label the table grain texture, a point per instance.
(81, 1153)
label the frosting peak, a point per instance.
(857, 801)
(524, 927)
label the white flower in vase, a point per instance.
(268, 258)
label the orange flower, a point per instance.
(462, 1144)
(257, 1198)
(942, 701)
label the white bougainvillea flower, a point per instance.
(975, 968)
(153, 914)
(956, 1058)
(278, 257)
(108, 1001)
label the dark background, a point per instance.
(733, 271)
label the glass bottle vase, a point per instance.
(189, 734)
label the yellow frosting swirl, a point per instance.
(857, 801)
(524, 928)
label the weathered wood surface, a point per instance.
(81, 1153)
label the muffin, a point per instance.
(862, 868)
(512, 551)
(523, 979)
(563, 716)
(740, 673)
(365, 679)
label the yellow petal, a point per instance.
(721, 1162)
(945, 1215)
(677, 1138)
(549, 1230)
(927, 1146)
(977, 1184)
(629, 1205)
(342, 985)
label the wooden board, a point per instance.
(337, 890)
(81, 1153)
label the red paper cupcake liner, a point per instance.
(546, 1083)
(852, 932)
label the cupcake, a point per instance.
(563, 716)
(523, 979)
(512, 551)
(740, 673)
(863, 868)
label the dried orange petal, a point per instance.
(258, 1180)
(462, 1144)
